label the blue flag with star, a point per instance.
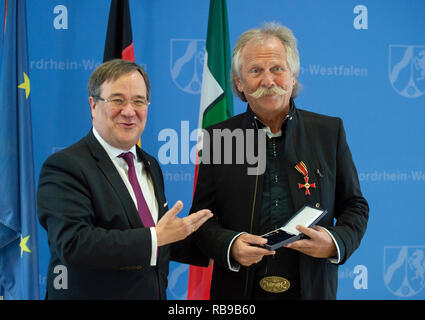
(19, 277)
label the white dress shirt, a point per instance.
(145, 183)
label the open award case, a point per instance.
(307, 216)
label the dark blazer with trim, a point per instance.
(235, 199)
(94, 229)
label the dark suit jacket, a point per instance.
(94, 229)
(235, 199)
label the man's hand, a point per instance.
(320, 244)
(171, 228)
(245, 249)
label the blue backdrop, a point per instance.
(362, 61)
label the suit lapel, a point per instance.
(297, 150)
(111, 174)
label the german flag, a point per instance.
(119, 38)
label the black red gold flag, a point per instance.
(119, 38)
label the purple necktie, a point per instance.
(142, 206)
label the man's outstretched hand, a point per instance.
(171, 228)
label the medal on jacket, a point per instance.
(302, 168)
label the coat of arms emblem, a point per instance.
(186, 64)
(407, 70)
(404, 270)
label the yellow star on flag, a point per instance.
(23, 244)
(25, 85)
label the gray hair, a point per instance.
(269, 29)
(112, 70)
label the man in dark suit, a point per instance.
(102, 201)
(308, 162)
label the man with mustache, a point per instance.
(308, 162)
(103, 205)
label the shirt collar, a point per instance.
(269, 133)
(110, 150)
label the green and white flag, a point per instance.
(216, 94)
(216, 106)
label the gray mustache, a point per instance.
(263, 91)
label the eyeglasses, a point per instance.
(139, 104)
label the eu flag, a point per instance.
(19, 278)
